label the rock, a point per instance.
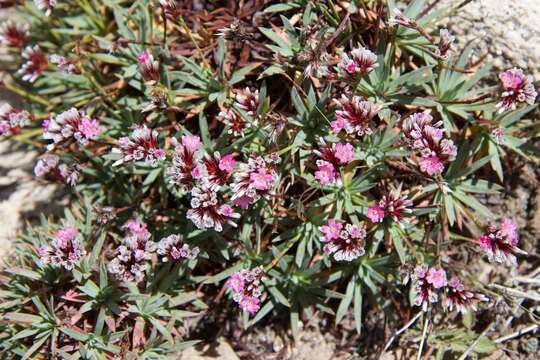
(499, 28)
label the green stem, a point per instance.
(34, 98)
(283, 253)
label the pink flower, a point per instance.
(261, 179)
(237, 124)
(248, 101)
(254, 179)
(246, 290)
(71, 125)
(437, 278)
(250, 304)
(210, 170)
(34, 65)
(509, 230)
(460, 299)
(421, 271)
(331, 159)
(49, 167)
(133, 255)
(141, 145)
(358, 62)
(148, 68)
(191, 143)
(331, 230)
(227, 164)
(326, 173)
(431, 165)
(426, 137)
(244, 202)
(172, 248)
(344, 153)
(500, 243)
(137, 228)
(517, 88)
(236, 282)
(89, 128)
(394, 204)
(338, 125)
(206, 211)
(13, 34)
(67, 67)
(355, 116)
(345, 244)
(426, 283)
(143, 57)
(187, 156)
(66, 249)
(375, 214)
(12, 119)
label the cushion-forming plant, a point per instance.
(265, 160)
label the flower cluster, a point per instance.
(13, 34)
(394, 205)
(246, 289)
(459, 298)
(12, 119)
(355, 116)
(217, 170)
(187, 155)
(66, 66)
(517, 88)
(427, 282)
(400, 19)
(132, 256)
(71, 125)
(426, 137)
(237, 124)
(171, 8)
(207, 212)
(500, 242)
(345, 243)
(50, 168)
(445, 43)
(357, 62)
(34, 65)
(65, 250)
(148, 68)
(430, 282)
(172, 248)
(46, 5)
(331, 159)
(248, 101)
(141, 145)
(254, 179)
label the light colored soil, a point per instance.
(507, 30)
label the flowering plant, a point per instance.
(298, 158)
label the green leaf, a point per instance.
(262, 313)
(346, 301)
(241, 74)
(281, 8)
(108, 59)
(398, 243)
(284, 47)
